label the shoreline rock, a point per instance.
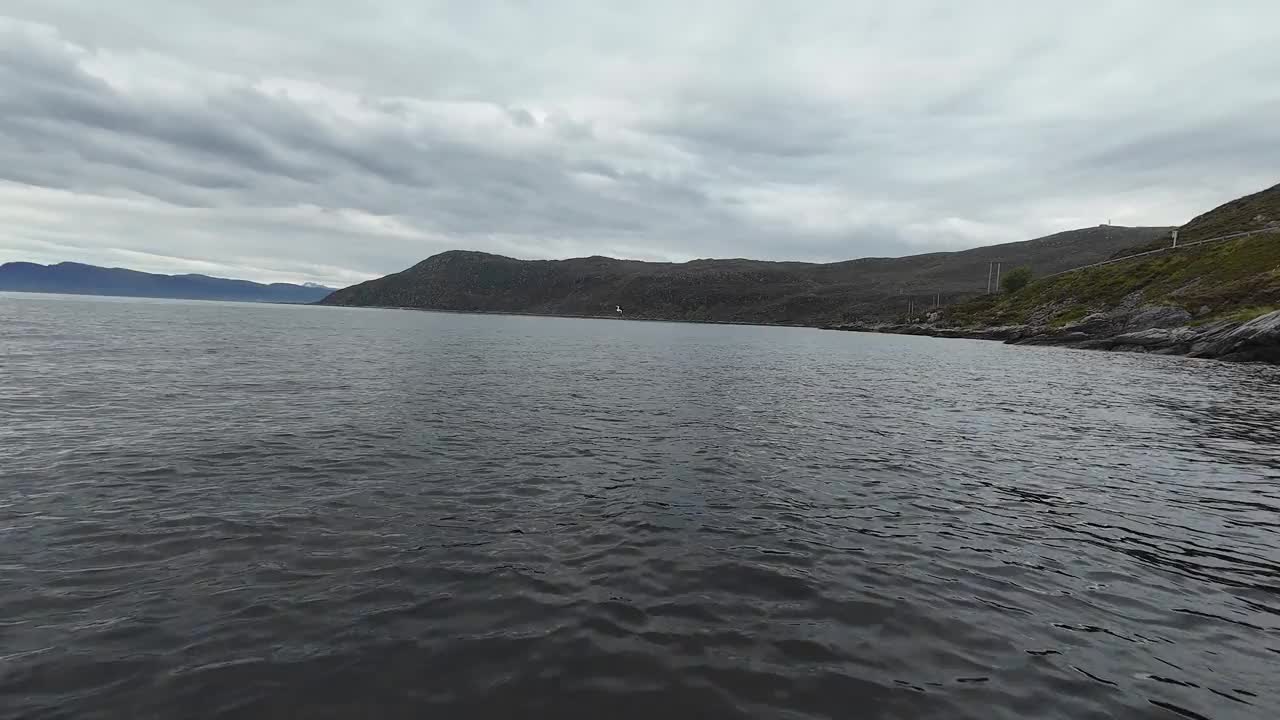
(1155, 330)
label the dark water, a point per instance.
(218, 510)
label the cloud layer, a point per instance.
(277, 143)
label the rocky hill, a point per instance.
(1217, 299)
(79, 279)
(725, 290)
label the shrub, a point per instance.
(1016, 279)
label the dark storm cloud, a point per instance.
(322, 146)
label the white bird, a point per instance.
(619, 307)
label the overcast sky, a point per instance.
(336, 141)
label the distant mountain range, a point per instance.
(78, 279)
(727, 290)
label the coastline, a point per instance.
(1257, 340)
(573, 316)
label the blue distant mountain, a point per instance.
(79, 279)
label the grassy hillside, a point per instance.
(1251, 212)
(1235, 279)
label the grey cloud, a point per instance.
(84, 106)
(522, 117)
(276, 140)
(1233, 144)
(284, 143)
(760, 125)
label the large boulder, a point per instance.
(1256, 340)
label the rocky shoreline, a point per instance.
(1158, 330)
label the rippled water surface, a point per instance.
(238, 511)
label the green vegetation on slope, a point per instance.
(1251, 212)
(1231, 279)
(1017, 279)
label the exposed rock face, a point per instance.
(1157, 330)
(1256, 340)
(1158, 317)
